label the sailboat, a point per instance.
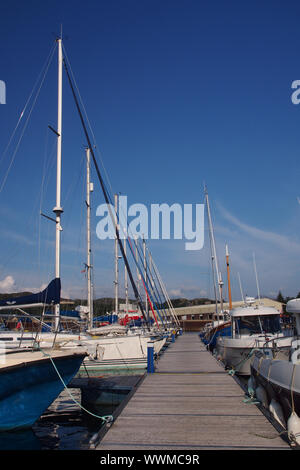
(220, 326)
(123, 349)
(118, 347)
(31, 379)
(112, 347)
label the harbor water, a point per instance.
(64, 426)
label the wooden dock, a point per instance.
(190, 403)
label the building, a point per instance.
(195, 317)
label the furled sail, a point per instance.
(50, 295)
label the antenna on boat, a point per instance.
(255, 270)
(243, 298)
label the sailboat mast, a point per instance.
(89, 189)
(116, 260)
(145, 275)
(126, 280)
(58, 209)
(256, 277)
(214, 255)
(228, 278)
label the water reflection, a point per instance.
(64, 426)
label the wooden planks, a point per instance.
(190, 403)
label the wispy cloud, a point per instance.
(18, 237)
(282, 241)
(277, 254)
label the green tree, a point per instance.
(280, 297)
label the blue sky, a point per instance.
(178, 93)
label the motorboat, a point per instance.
(253, 328)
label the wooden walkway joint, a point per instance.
(190, 403)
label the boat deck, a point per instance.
(12, 358)
(190, 402)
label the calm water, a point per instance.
(64, 426)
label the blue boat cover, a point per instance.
(50, 295)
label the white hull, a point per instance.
(127, 351)
(237, 353)
(281, 382)
(121, 353)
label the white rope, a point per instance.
(106, 418)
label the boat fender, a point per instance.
(261, 396)
(293, 426)
(277, 412)
(251, 386)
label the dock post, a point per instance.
(150, 358)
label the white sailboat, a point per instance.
(212, 330)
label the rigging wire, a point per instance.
(27, 120)
(105, 193)
(87, 120)
(107, 196)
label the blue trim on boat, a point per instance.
(28, 389)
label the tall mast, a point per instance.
(214, 254)
(116, 261)
(89, 189)
(126, 279)
(255, 270)
(58, 209)
(145, 274)
(228, 278)
(137, 260)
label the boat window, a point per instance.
(258, 324)
(271, 323)
(25, 338)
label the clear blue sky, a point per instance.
(177, 93)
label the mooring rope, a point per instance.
(106, 418)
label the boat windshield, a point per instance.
(258, 324)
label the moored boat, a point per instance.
(277, 373)
(253, 328)
(30, 381)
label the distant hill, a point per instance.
(14, 294)
(107, 304)
(182, 302)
